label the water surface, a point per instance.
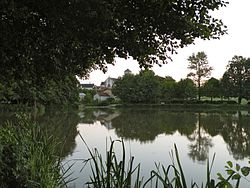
(150, 135)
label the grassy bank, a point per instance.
(192, 106)
(178, 107)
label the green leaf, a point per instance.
(236, 177)
(220, 177)
(230, 164)
(245, 170)
(228, 185)
(237, 167)
(230, 172)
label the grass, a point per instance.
(28, 156)
(116, 173)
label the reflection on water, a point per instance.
(62, 125)
(150, 133)
(199, 127)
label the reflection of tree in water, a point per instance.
(233, 127)
(145, 125)
(63, 126)
(236, 133)
(201, 142)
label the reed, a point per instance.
(28, 156)
(115, 172)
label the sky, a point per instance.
(236, 16)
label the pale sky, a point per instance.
(236, 16)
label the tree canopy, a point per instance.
(200, 69)
(48, 37)
(237, 77)
(211, 88)
(47, 40)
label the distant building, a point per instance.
(82, 95)
(87, 86)
(101, 97)
(108, 83)
(103, 94)
(127, 71)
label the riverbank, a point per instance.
(173, 107)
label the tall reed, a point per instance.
(28, 156)
(117, 173)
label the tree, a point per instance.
(211, 88)
(125, 88)
(226, 88)
(167, 88)
(237, 77)
(185, 89)
(44, 40)
(198, 64)
(141, 88)
(148, 86)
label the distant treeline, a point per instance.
(146, 87)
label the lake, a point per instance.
(149, 135)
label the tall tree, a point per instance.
(238, 77)
(200, 69)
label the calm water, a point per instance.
(150, 135)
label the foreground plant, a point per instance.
(115, 173)
(112, 172)
(28, 156)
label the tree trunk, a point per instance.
(239, 99)
(199, 94)
(199, 87)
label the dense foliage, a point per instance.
(146, 87)
(211, 88)
(51, 41)
(236, 79)
(43, 91)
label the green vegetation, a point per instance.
(28, 156)
(44, 44)
(114, 172)
(33, 92)
(236, 79)
(147, 88)
(211, 88)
